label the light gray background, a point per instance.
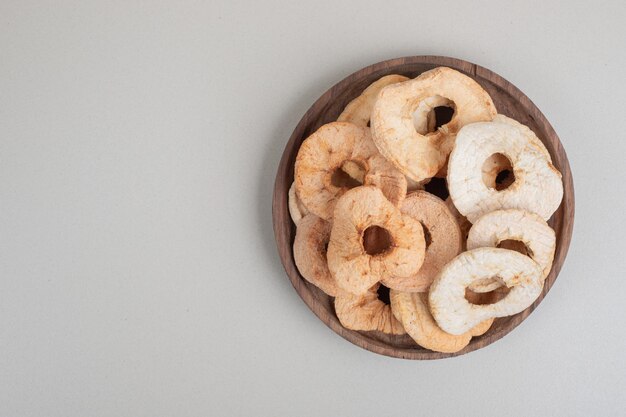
(138, 146)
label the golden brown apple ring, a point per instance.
(296, 209)
(366, 312)
(326, 151)
(412, 311)
(420, 155)
(355, 270)
(443, 240)
(309, 253)
(359, 110)
(464, 224)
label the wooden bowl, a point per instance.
(508, 100)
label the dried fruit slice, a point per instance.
(309, 253)
(359, 110)
(356, 270)
(412, 311)
(296, 209)
(443, 240)
(528, 228)
(534, 140)
(497, 163)
(406, 142)
(464, 224)
(537, 188)
(366, 312)
(455, 314)
(324, 153)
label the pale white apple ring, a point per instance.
(528, 228)
(537, 188)
(455, 314)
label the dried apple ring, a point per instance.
(411, 309)
(408, 143)
(357, 211)
(359, 110)
(442, 235)
(517, 225)
(498, 164)
(464, 224)
(322, 156)
(309, 253)
(537, 188)
(454, 314)
(366, 312)
(534, 140)
(296, 209)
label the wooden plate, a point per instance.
(508, 100)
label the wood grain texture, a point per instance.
(509, 101)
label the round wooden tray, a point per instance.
(508, 100)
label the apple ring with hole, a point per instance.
(359, 110)
(319, 177)
(451, 310)
(441, 233)
(497, 170)
(537, 187)
(356, 269)
(366, 312)
(400, 126)
(309, 253)
(501, 227)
